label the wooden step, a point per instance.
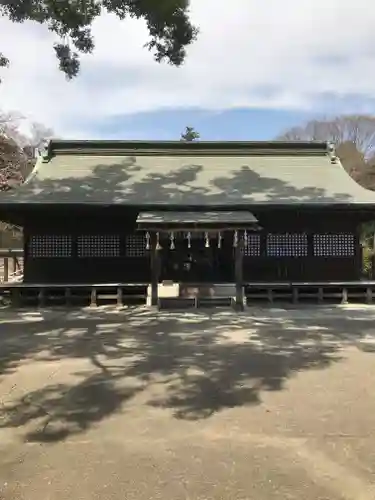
(177, 303)
(80, 296)
(214, 302)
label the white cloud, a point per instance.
(249, 53)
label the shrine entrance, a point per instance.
(196, 247)
(202, 260)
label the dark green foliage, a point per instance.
(4, 62)
(189, 135)
(167, 21)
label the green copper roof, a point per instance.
(189, 174)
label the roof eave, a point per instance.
(14, 204)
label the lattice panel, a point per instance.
(47, 246)
(334, 245)
(98, 246)
(252, 245)
(287, 245)
(135, 245)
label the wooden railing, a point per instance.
(11, 264)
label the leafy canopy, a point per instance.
(167, 21)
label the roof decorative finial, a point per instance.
(45, 151)
(331, 152)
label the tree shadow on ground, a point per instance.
(63, 409)
(194, 365)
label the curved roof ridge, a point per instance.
(253, 148)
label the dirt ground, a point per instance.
(136, 404)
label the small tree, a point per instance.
(190, 135)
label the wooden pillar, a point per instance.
(358, 254)
(155, 268)
(238, 267)
(6, 269)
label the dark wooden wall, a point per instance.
(73, 267)
(308, 266)
(129, 265)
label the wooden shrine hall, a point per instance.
(174, 217)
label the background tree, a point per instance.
(190, 135)
(18, 150)
(37, 138)
(357, 129)
(167, 21)
(354, 138)
(17, 159)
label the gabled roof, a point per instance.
(158, 174)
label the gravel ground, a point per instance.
(135, 404)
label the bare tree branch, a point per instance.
(354, 137)
(358, 129)
(17, 149)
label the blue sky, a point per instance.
(236, 124)
(256, 69)
(239, 124)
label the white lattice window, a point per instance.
(287, 245)
(334, 245)
(105, 245)
(41, 246)
(135, 245)
(252, 245)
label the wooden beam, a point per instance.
(41, 297)
(369, 295)
(199, 229)
(238, 267)
(93, 297)
(11, 252)
(6, 269)
(155, 269)
(119, 297)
